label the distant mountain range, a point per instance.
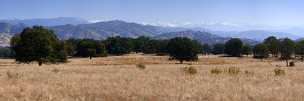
(102, 30)
(258, 35)
(66, 28)
(202, 37)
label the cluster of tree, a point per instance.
(284, 49)
(38, 44)
(233, 47)
(41, 45)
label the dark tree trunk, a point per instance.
(181, 61)
(90, 57)
(40, 63)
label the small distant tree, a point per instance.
(206, 49)
(38, 44)
(246, 50)
(218, 49)
(260, 51)
(273, 45)
(287, 49)
(300, 49)
(183, 49)
(233, 47)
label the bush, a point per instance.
(279, 72)
(190, 70)
(216, 71)
(141, 66)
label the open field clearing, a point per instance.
(119, 78)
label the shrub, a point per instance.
(190, 70)
(141, 66)
(233, 70)
(279, 72)
(216, 71)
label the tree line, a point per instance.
(42, 45)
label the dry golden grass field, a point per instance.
(124, 78)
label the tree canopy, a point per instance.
(287, 49)
(233, 47)
(183, 49)
(260, 51)
(38, 44)
(273, 45)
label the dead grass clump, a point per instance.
(141, 66)
(11, 75)
(55, 70)
(279, 72)
(249, 72)
(190, 70)
(233, 70)
(216, 71)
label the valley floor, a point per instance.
(118, 78)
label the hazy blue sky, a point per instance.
(262, 12)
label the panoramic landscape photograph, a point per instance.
(151, 50)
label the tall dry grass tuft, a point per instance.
(216, 71)
(233, 70)
(190, 70)
(279, 72)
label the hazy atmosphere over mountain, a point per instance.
(99, 19)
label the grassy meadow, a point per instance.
(137, 77)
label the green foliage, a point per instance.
(119, 45)
(90, 48)
(6, 52)
(70, 46)
(300, 49)
(37, 44)
(218, 49)
(183, 49)
(287, 49)
(233, 47)
(246, 50)
(149, 46)
(260, 51)
(279, 72)
(273, 45)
